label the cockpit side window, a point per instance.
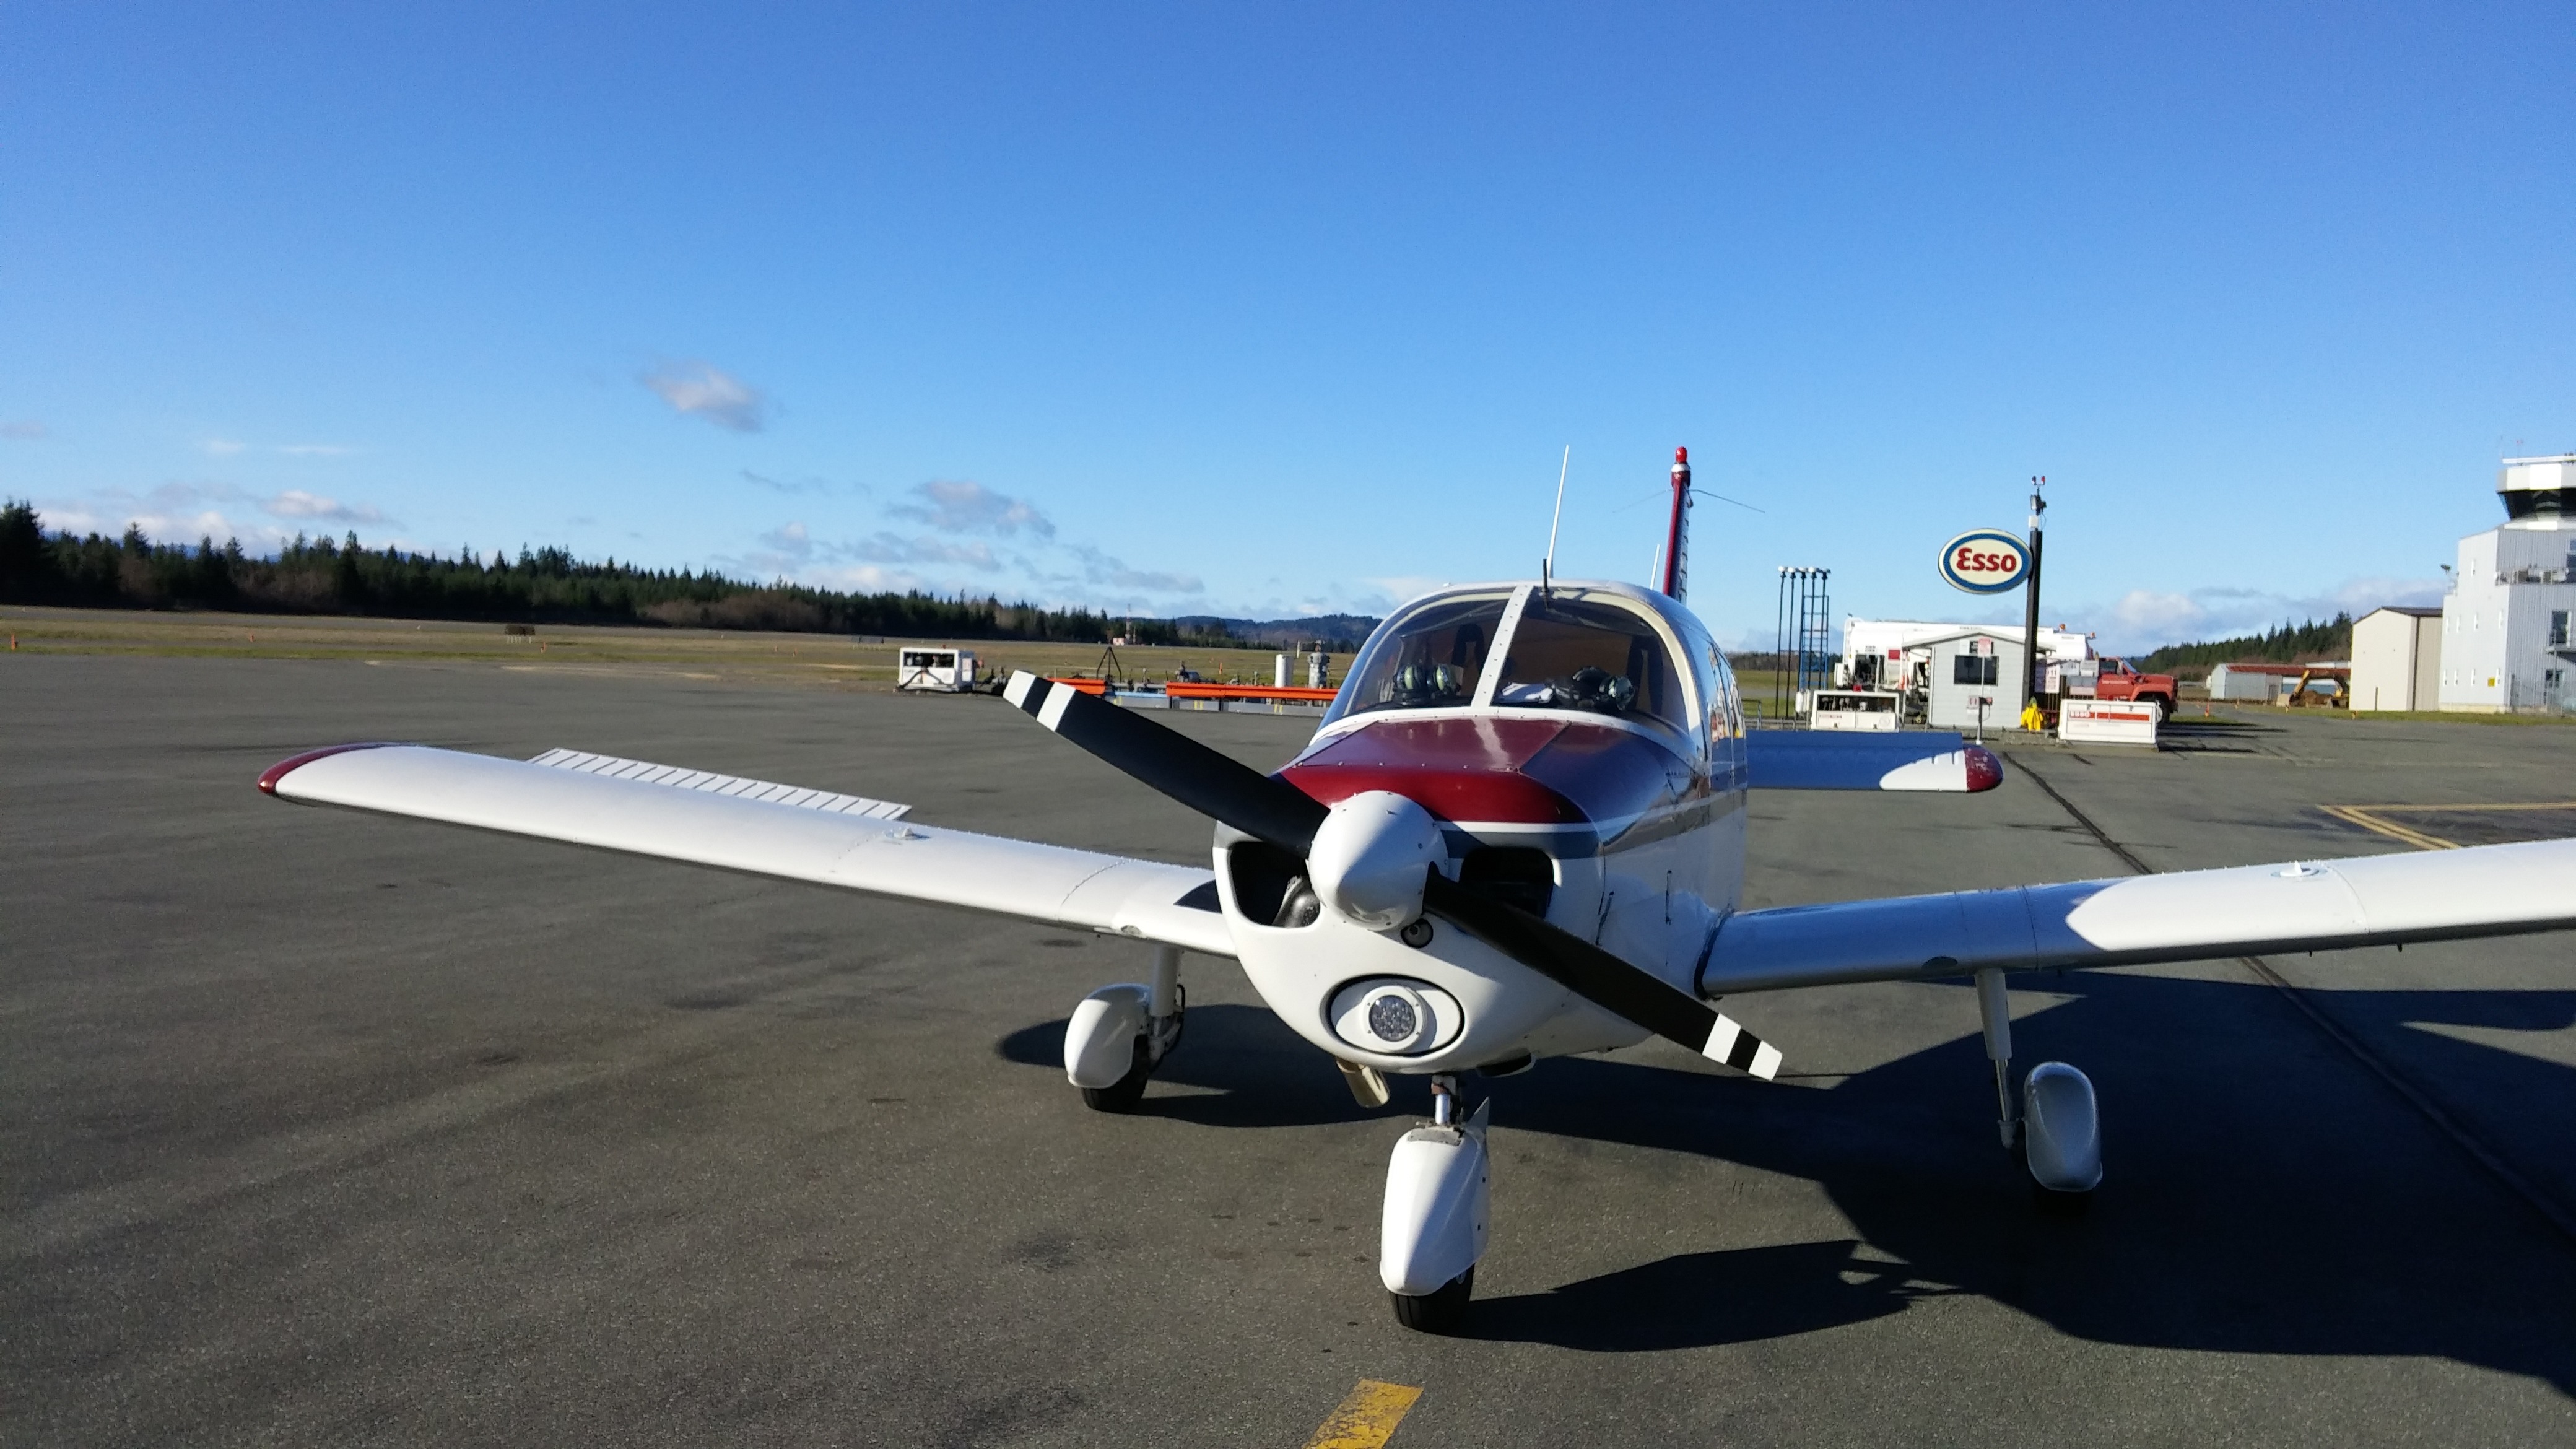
(1429, 659)
(1571, 654)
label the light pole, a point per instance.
(2033, 674)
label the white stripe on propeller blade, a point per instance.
(1726, 1039)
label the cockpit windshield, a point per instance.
(1429, 659)
(1570, 654)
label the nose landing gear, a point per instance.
(1119, 1034)
(1438, 1215)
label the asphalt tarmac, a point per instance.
(326, 1129)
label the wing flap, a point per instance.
(787, 836)
(2384, 900)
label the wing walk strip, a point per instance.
(646, 773)
(2505, 1174)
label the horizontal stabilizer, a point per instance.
(2197, 915)
(1852, 760)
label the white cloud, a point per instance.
(823, 486)
(959, 506)
(790, 540)
(315, 450)
(296, 503)
(1383, 594)
(158, 525)
(1101, 568)
(887, 548)
(2143, 619)
(699, 389)
(219, 447)
(2145, 613)
(24, 430)
(865, 579)
(171, 513)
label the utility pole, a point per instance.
(2034, 672)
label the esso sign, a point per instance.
(1987, 561)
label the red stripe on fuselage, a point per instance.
(1500, 771)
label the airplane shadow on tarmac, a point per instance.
(2264, 1192)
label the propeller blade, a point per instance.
(1601, 978)
(1159, 756)
(1271, 809)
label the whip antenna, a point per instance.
(1547, 565)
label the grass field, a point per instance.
(824, 660)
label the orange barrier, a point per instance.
(1180, 689)
(1087, 686)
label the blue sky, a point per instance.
(1267, 310)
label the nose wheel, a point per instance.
(1439, 1200)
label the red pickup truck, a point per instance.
(2119, 681)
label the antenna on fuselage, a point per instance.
(1674, 563)
(1547, 565)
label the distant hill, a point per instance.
(1339, 633)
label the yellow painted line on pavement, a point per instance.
(2372, 818)
(2366, 817)
(1367, 1418)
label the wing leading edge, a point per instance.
(763, 829)
(2382, 900)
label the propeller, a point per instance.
(1272, 810)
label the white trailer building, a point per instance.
(1975, 677)
(2244, 683)
(2506, 640)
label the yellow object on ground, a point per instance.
(1367, 1418)
(2032, 720)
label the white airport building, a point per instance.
(2396, 660)
(2505, 639)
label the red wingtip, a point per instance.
(279, 771)
(1985, 772)
(1682, 456)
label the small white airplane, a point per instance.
(1518, 833)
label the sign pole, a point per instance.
(2034, 674)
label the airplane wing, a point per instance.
(2380, 900)
(1855, 760)
(764, 829)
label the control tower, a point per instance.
(2506, 641)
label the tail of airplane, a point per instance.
(1677, 539)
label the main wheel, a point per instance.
(2049, 1200)
(1443, 1310)
(1123, 1094)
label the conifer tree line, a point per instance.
(2283, 644)
(547, 585)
